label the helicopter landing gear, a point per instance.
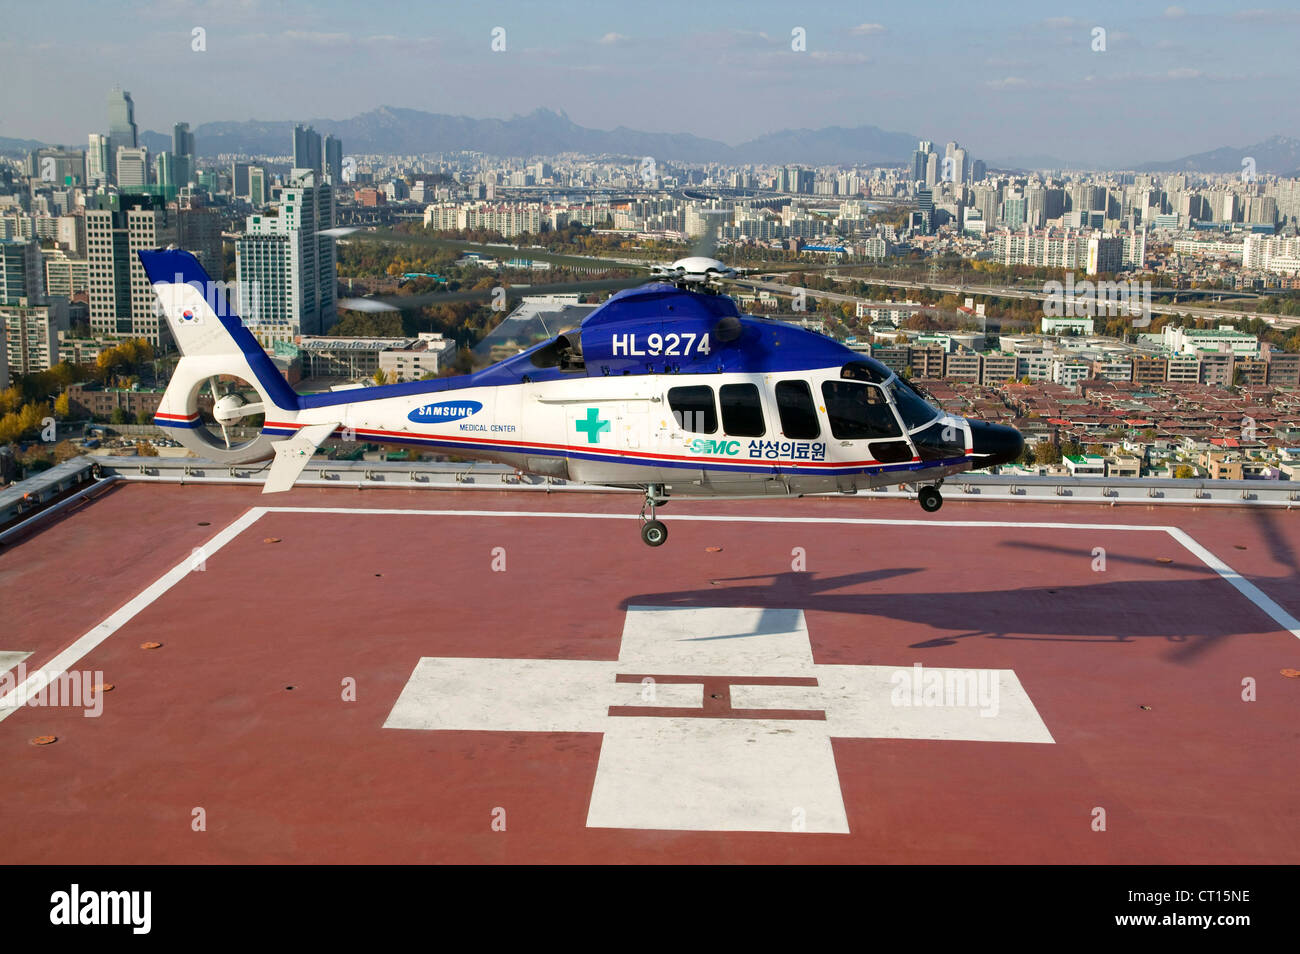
(653, 532)
(930, 499)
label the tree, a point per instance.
(24, 422)
(143, 417)
(1183, 472)
(62, 408)
(144, 449)
(355, 324)
(1047, 453)
(118, 416)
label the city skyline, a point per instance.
(1170, 80)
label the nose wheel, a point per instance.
(653, 531)
(930, 499)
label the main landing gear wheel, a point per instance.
(654, 533)
(930, 498)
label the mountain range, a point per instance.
(392, 130)
(545, 132)
(1278, 155)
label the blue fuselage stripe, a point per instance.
(631, 460)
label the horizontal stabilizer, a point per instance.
(292, 455)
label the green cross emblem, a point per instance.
(592, 425)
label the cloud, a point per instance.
(1267, 16)
(839, 59)
(1062, 23)
(1007, 82)
(612, 39)
(316, 37)
(1175, 13)
(1184, 72)
(864, 29)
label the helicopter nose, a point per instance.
(995, 443)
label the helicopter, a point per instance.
(666, 388)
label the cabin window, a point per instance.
(798, 413)
(859, 411)
(742, 410)
(694, 409)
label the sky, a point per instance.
(1008, 78)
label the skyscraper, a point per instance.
(182, 140)
(257, 195)
(183, 153)
(198, 230)
(925, 205)
(167, 171)
(121, 298)
(121, 124)
(239, 179)
(333, 161)
(21, 267)
(307, 149)
(1014, 210)
(919, 158)
(132, 167)
(98, 164)
(1035, 206)
(286, 269)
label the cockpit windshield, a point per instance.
(912, 408)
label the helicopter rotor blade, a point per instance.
(707, 243)
(413, 302)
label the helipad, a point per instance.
(492, 676)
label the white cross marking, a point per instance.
(705, 773)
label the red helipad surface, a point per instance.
(1128, 706)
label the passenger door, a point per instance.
(798, 427)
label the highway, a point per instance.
(1003, 291)
(781, 288)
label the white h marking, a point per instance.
(706, 772)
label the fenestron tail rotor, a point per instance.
(232, 407)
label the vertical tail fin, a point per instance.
(213, 342)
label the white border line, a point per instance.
(73, 654)
(69, 657)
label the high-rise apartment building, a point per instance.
(307, 149)
(286, 269)
(21, 272)
(122, 302)
(333, 161)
